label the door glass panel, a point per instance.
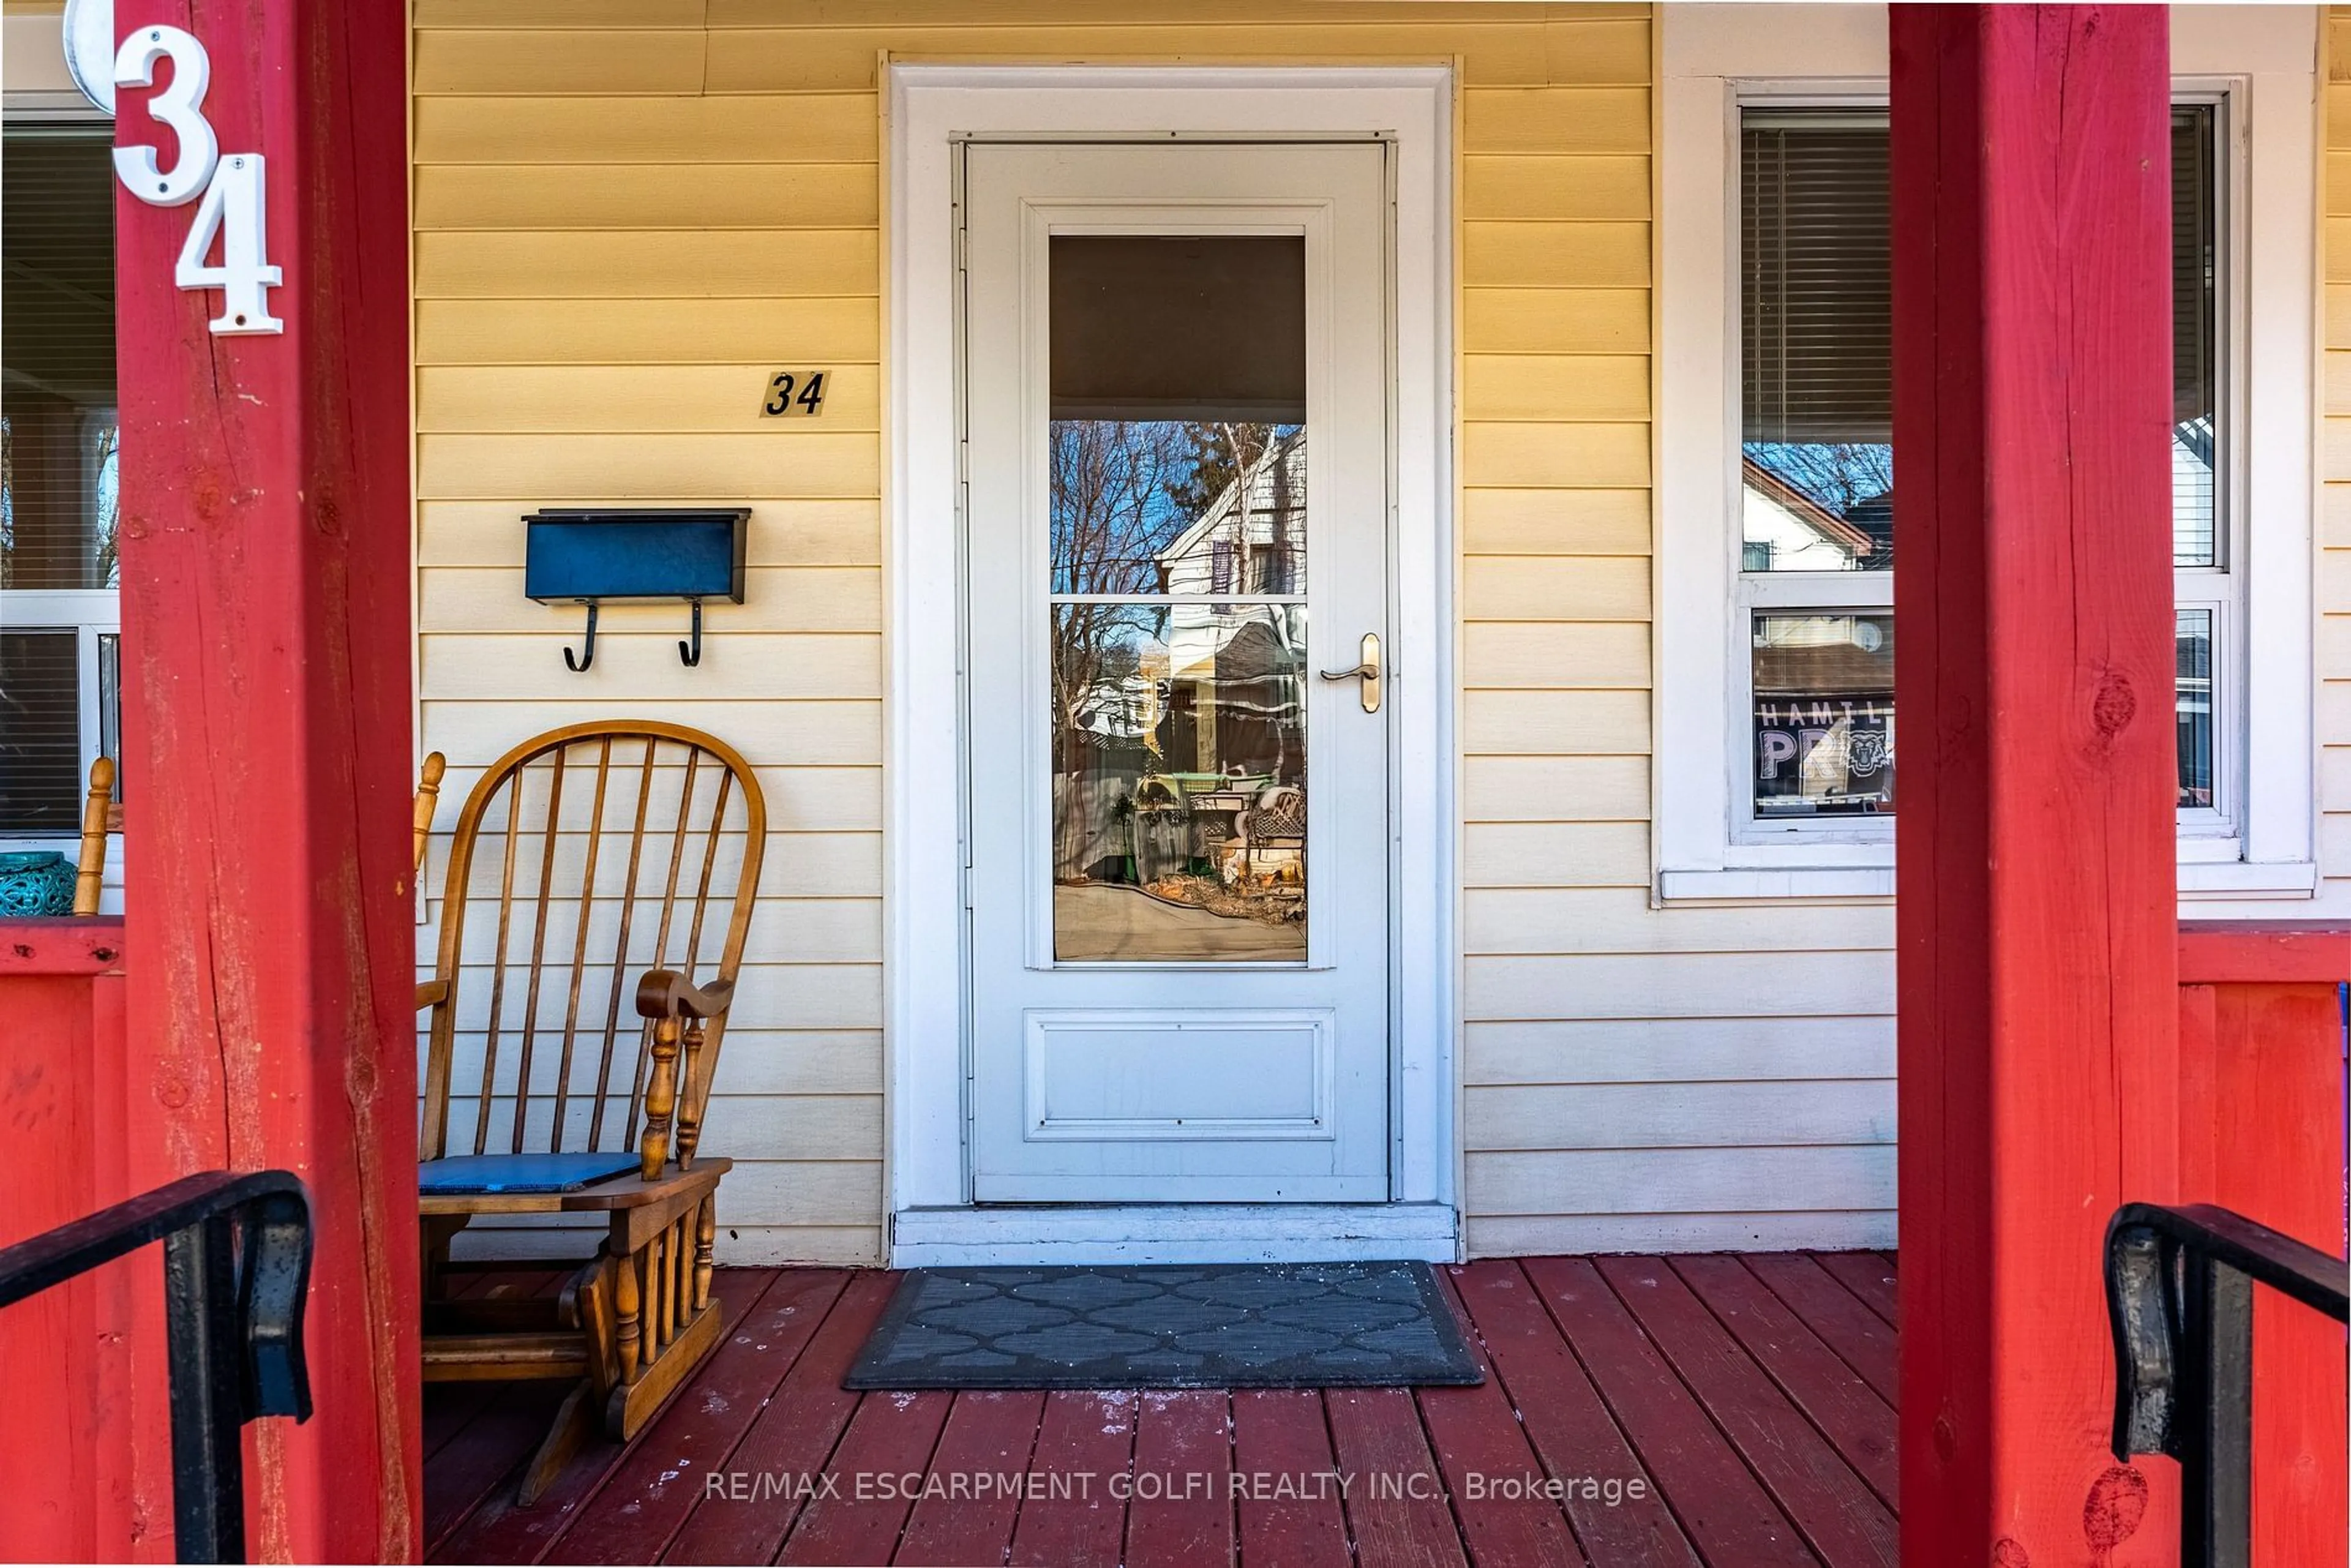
(1177, 641)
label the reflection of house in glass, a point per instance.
(1180, 742)
(1789, 528)
(1234, 706)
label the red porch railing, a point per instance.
(2262, 1130)
(88, 1441)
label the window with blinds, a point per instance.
(1817, 341)
(1816, 456)
(59, 469)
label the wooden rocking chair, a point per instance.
(614, 854)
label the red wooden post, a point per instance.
(2037, 945)
(265, 641)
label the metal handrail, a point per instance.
(236, 1269)
(2180, 1297)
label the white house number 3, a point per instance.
(230, 191)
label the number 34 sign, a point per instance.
(230, 192)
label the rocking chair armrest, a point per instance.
(431, 994)
(666, 993)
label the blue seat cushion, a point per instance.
(467, 1173)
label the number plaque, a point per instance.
(794, 392)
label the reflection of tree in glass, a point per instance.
(1113, 510)
(1221, 450)
(1133, 506)
(1838, 475)
(109, 468)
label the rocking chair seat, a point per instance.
(479, 1173)
(627, 1190)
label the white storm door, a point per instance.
(1176, 521)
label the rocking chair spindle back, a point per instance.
(608, 851)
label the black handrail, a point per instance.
(2179, 1295)
(236, 1266)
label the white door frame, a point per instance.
(931, 109)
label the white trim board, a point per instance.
(929, 109)
(2263, 57)
(1169, 1233)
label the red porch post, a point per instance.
(265, 577)
(2037, 939)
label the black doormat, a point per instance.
(1235, 1326)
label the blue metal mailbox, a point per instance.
(599, 554)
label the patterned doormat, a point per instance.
(1240, 1325)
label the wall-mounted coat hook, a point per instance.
(578, 667)
(634, 555)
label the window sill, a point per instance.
(2200, 882)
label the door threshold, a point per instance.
(1174, 1233)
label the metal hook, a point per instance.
(578, 667)
(690, 653)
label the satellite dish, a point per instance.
(89, 49)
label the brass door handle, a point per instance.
(1368, 671)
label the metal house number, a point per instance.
(231, 193)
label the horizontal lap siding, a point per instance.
(604, 283)
(1632, 1077)
(2334, 582)
(628, 210)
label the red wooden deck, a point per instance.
(1750, 1397)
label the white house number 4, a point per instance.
(230, 192)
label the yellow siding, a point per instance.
(627, 209)
(2333, 587)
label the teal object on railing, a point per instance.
(35, 882)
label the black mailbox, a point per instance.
(634, 555)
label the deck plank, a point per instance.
(642, 1502)
(484, 1458)
(1499, 1488)
(1089, 1434)
(1859, 1336)
(501, 1532)
(1580, 1443)
(789, 1436)
(1852, 1416)
(448, 1407)
(1841, 1519)
(989, 1439)
(880, 1468)
(1866, 1276)
(1721, 1506)
(1289, 1503)
(1394, 1501)
(1183, 1439)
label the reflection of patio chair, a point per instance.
(1276, 819)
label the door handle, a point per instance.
(1368, 671)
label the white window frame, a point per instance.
(91, 612)
(2259, 62)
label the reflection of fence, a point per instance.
(1090, 830)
